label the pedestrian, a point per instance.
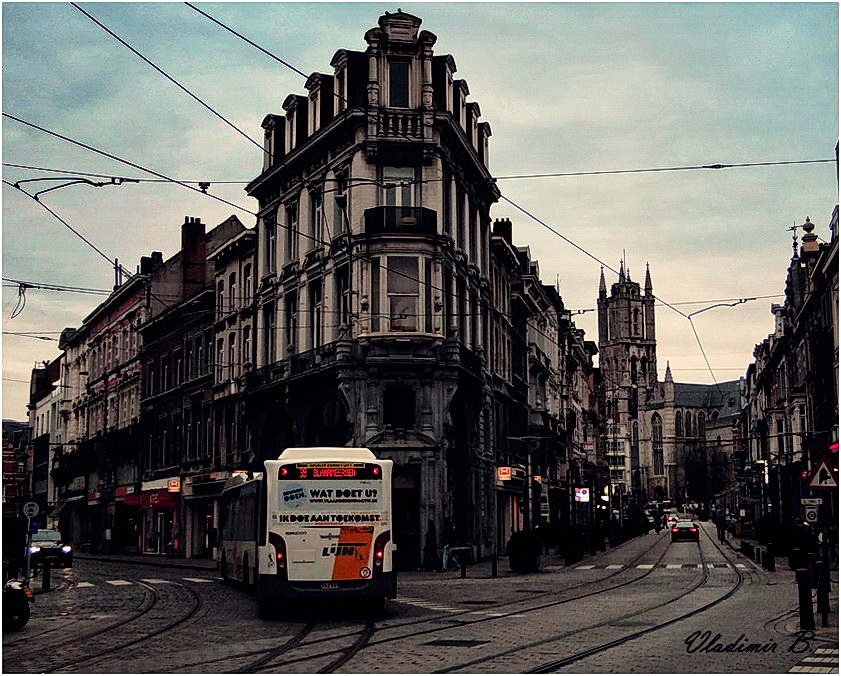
(721, 527)
(449, 536)
(430, 548)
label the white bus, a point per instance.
(243, 499)
(323, 528)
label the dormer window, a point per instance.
(398, 84)
(340, 91)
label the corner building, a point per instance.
(372, 284)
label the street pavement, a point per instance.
(763, 611)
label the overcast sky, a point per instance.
(565, 87)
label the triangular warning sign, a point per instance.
(823, 477)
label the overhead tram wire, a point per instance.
(659, 169)
(530, 215)
(93, 246)
(123, 161)
(301, 73)
(250, 42)
(167, 76)
(133, 180)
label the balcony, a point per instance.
(312, 360)
(401, 221)
(400, 124)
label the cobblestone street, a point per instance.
(646, 606)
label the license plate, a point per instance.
(329, 585)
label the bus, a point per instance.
(323, 528)
(239, 519)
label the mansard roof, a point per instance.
(707, 396)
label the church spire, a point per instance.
(648, 288)
(668, 377)
(622, 271)
(602, 286)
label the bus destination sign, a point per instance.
(330, 471)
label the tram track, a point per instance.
(154, 595)
(555, 665)
(364, 639)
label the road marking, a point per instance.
(646, 566)
(614, 566)
(196, 579)
(84, 584)
(741, 565)
(119, 583)
(584, 567)
(674, 565)
(824, 661)
(700, 566)
(152, 580)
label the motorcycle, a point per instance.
(16, 599)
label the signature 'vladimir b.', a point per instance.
(707, 642)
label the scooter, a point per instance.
(16, 599)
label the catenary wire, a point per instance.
(517, 206)
(166, 75)
(506, 177)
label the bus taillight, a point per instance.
(379, 551)
(280, 554)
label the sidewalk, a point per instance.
(151, 560)
(785, 577)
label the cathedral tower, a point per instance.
(628, 363)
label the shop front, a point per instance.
(202, 493)
(125, 532)
(160, 509)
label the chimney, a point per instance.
(149, 264)
(502, 228)
(193, 255)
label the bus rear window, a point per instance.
(330, 471)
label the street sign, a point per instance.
(582, 495)
(810, 514)
(31, 509)
(811, 501)
(823, 477)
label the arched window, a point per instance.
(702, 425)
(678, 424)
(657, 443)
(633, 369)
(688, 429)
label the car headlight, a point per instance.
(34, 549)
(67, 549)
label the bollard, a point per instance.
(768, 561)
(463, 567)
(757, 554)
(823, 591)
(493, 565)
(793, 558)
(45, 580)
(804, 593)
